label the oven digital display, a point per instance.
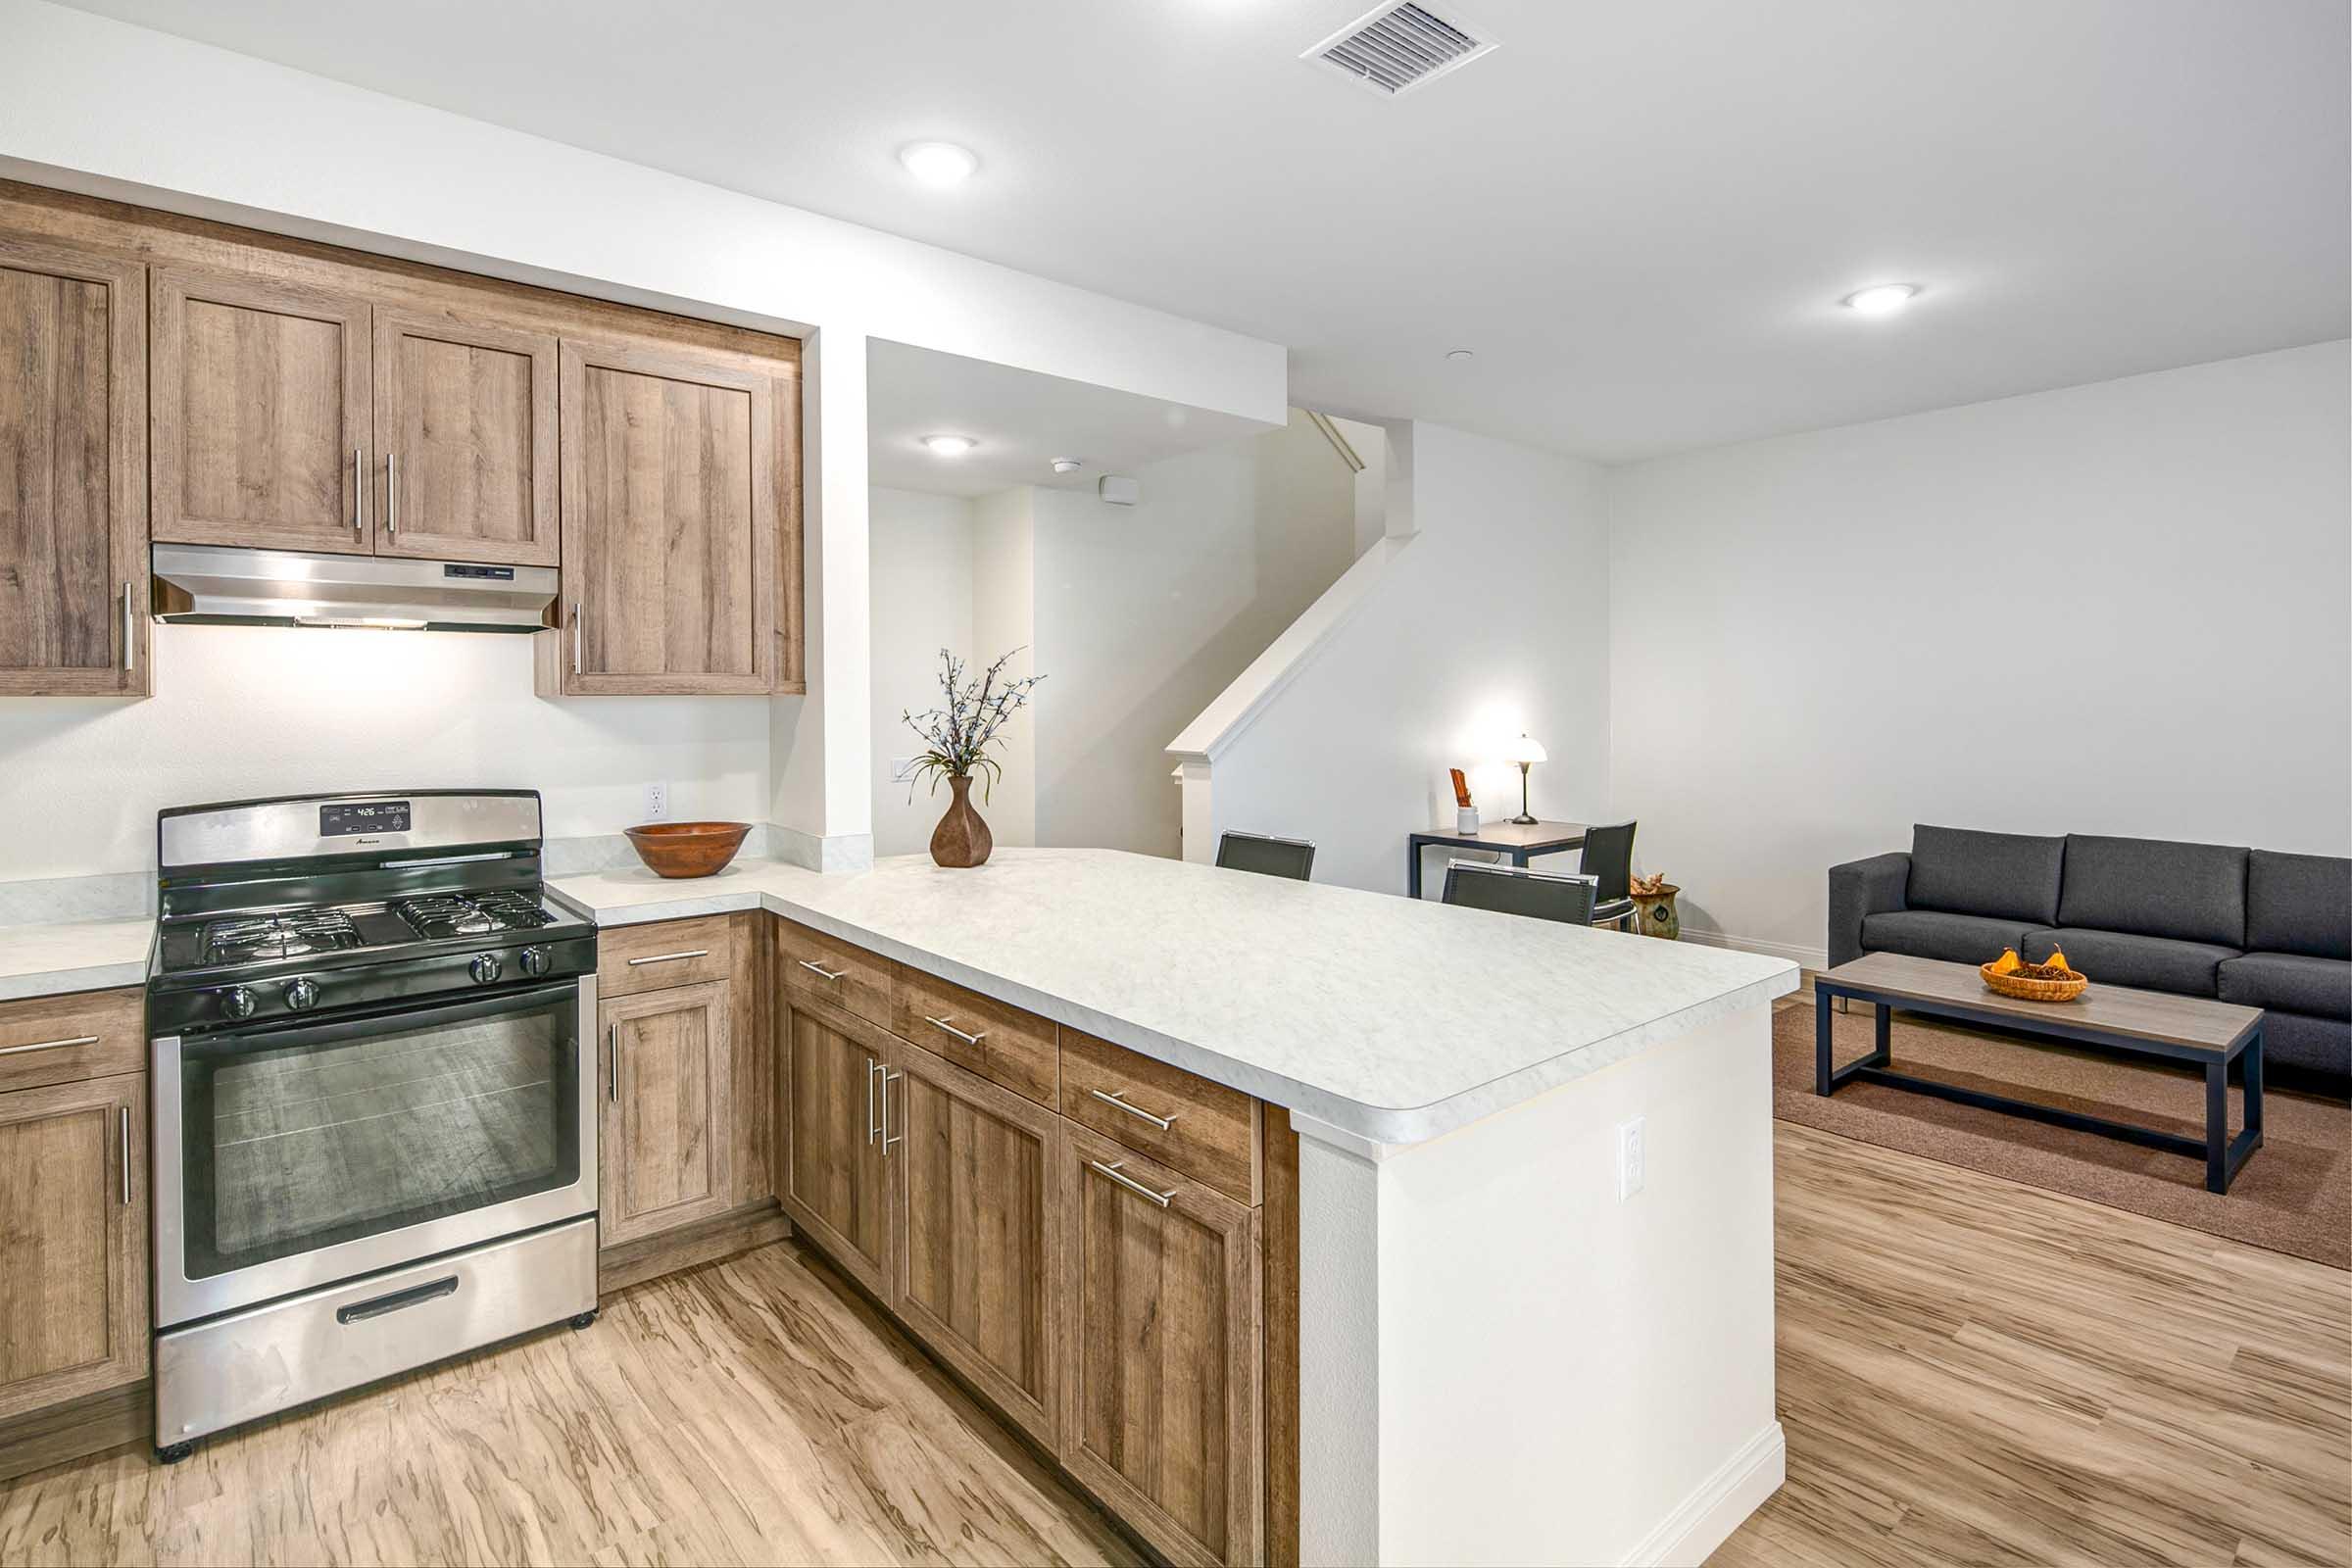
(350, 817)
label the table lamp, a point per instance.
(1525, 753)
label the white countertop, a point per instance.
(49, 959)
(1389, 1018)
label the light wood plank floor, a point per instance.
(1969, 1371)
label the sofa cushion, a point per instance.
(2121, 958)
(2006, 875)
(2299, 903)
(2294, 981)
(1939, 934)
(2155, 887)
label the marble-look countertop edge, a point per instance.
(1385, 1124)
(56, 961)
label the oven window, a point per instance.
(340, 1132)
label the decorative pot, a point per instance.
(687, 849)
(1654, 913)
(961, 838)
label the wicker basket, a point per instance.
(2029, 990)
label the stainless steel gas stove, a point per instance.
(375, 1107)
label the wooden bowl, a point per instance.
(2027, 989)
(687, 849)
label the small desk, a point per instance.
(1513, 841)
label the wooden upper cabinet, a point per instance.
(675, 489)
(73, 1214)
(465, 439)
(72, 459)
(259, 395)
(666, 1154)
(980, 1211)
(1161, 1394)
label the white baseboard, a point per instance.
(1707, 1517)
(1807, 957)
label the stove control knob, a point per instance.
(237, 1003)
(535, 961)
(484, 969)
(302, 995)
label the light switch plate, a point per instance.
(902, 770)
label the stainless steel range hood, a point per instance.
(216, 584)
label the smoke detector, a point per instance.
(1398, 47)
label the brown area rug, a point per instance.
(2293, 1195)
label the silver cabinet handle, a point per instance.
(1163, 1123)
(872, 1132)
(671, 957)
(889, 1138)
(391, 492)
(1131, 1184)
(49, 1045)
(820, 972)
(131, 647)
(971, 1039)
(612, 1044)
(577, 636)
(359, 489)
(122, 1121)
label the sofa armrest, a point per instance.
(1862, 888)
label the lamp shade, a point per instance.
(1524, 750)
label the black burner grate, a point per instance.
(472, 914)
(282, 936)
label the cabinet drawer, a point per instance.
(64, 1040)
(821, 967)
(981, 1035)
(669, 953)
(1199, 1129)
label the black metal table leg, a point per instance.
(1821, 1039)
(1883, 1052)
(1412, 869)
(2217, 1126)
(2254, 1084)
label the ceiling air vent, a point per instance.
(1398, 46)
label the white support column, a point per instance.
(1505, 1362)
(822, 744)
(1199, 829)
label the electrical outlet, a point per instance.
(657, 803)
(902, 770)
(1629, 1158)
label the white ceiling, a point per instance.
(1021, 421)
(1640, 215)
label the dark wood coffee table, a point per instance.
(2148, 1023)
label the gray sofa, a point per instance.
(2252, 926)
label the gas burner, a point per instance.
(472, 914)
(285, 936)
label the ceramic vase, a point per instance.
(961, 838)
(1655, 915)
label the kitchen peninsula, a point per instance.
(1504, 1357)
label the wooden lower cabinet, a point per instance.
(972, 1170)
(830, 1174)
(1159, 1292)
(73, 1231)
(668, 1144)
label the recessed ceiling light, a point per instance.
(1067, 465)
(938, 163)
(1883, 299)
(948, 446)
(1461, 354)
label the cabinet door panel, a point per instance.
(667, 1145)
(72, 456)
(1160, 1412)
(671, 485)
(832, 1179)
(74, 1213)
(973, 1167)
(466, 434)
(260, 410)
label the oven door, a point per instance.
(300, 1154)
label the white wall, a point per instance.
(1493, 619)
(2113, 609)
(1005, 622)
(249, 711)
(1145, 613)
(923, 592)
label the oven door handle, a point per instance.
(393, 1301)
